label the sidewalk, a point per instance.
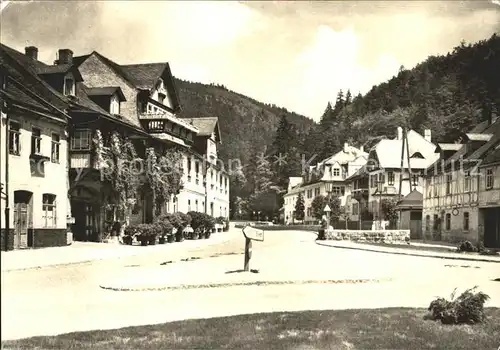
(84, 252)
(412, 252)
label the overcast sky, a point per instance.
(294, 54)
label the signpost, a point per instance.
(251, 234)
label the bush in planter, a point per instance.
(223, 221)
(466, 246)
(147, 233)
(197, 219)
(130, 232)
(208, 225)
(467, 308)
(176, 222)
(165, 228)
(184, 220)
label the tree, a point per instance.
(300, 208)
(348, 98)
(264, 196)
(318, 207)
(388, 209)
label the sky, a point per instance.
(295, 54)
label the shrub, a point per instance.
(130, 230)
(467, 308)
(184, 219)
(165, 226)
(466, 246)
(208, 222)
(223, 221)
(148, 230)
(197, 220)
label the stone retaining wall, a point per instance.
(381, 236)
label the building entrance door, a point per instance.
(22, 218)
(492, 228)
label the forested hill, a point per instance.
(447, 94)
(245, 123)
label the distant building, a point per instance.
(384, 167)
(327, 177)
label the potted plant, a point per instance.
(197, 221)
(144, 233)
(155, 231)
(184, 221)
(209, 225)
(176, 222)
(164, 227)
(171, 236)
(129, 234)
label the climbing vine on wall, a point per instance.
(164, 175)
(119, 169)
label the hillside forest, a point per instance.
(447, 94)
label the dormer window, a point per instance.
(69, 86)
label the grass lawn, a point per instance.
(395, 328)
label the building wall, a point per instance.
(96, 73)
(489, 197)
(54, 181)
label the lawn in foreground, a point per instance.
(394, 328)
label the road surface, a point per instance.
(57, 300)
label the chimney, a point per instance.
(31, 52)
(346, 147)
(65, 56)
(400, 133)
(427, 135)
(362, 148)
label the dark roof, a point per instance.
(413, 200)
(206, 126)
(493, 157)
(60, 69)
(144, 76)
(141, 76)
(465, 153)
(22, 69)
(106, 91)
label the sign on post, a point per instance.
(250, 234)
(253, 233)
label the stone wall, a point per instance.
(10, 238)
(382, 236)
(49, 237)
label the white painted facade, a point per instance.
(26, 175)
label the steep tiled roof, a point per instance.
(480, 153)
(206, 126)
(23, 69)
(493, 157)
(144, 76)
(414, 200)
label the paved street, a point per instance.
(62, 299)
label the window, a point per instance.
(114, 107)
(36, 141)
(436, 222)
(14, 138)
(373, 180)
(489, 179)
(69, 87)
(427, 223)
(54, 153)
(467, 181)
(336, 172)
(448, 184)
(189, 204)
(196, 204)
(390, 178)
(49, 209)
(309, 193)
(355, 208)
(448, 222)
(466, 221)
(309, 211)
(316, 192)
(161, 98)
(435, 187)
(81, 140)
(381, 178)
(197, 171)
(338, 190)
(414, 179)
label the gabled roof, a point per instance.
(413, 200)
(206, 126)
(493, 157)
(22, 69)
(343, 157)
(141, 76)
(106, 91)
(388, 152)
